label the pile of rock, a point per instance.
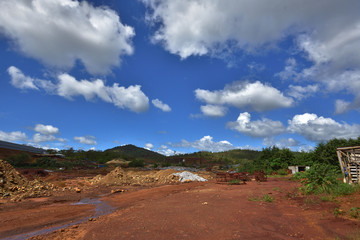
(120, 176)
(189, 177)
(16, 187)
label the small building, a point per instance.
(295, 169)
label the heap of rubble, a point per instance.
(129, 177)
(16, 187)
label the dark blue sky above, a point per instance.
(179, 76)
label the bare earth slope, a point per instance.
(212, 211)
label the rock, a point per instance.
(117, 190)
(78, 190)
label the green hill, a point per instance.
(136, 152)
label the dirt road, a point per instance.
(268, 210)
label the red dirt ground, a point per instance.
(189, 211)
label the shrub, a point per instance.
(137, 163)
(268, 198)
(354, 212)
(282, 172)
(21, 160)
(321, 178)
(47, 162)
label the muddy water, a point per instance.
(101, 208)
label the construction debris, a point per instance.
(16, 187)
(227, 177)
(120, 176)
(189, 177)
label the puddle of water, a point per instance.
(101, 208)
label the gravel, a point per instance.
(188, 176)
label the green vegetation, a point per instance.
(20, 160)
(137, 163)
(265, 198)
(270, 159)
(354, 212)
(322, 178)
(234, 182)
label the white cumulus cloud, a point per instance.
(159, 104)
(69, 87)
(300, 92)
(165, 150)
(255, 96)
(38, 138)
(259, 128)
(188, 27)
(58, 33)
(281, 143)
(213, 110)
(88, 140)
(13, 136)
(318, 129)
(19, 80)
(149, 146)
(46, 129)
(206, 143)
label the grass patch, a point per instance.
(354, 212)
(265, 198)
(234, 182)
(268, 198)
(326, 198)
(338, 212)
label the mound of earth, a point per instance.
(17, 187)
(120, 176)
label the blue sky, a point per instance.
(179, 76)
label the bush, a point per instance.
(47, 163)
(21, 160)
(282, 172)
(321, 178)
(137, 163)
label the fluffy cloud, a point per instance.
(213, 110)
(290, 71)
(206, 144)
(159, 104)
(149, 146)
(342, 106)
(19, 80)
(164, 150)
(299, 92)
(38, 138)
(13, 136)
(46, 129)
(255, 96)
(60, 32)
(317, 129)
(281, 143)
(258, 128)
(208, 26)
(327, 33)
(68, 87)
(88, 140)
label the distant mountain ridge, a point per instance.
(137, 152)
